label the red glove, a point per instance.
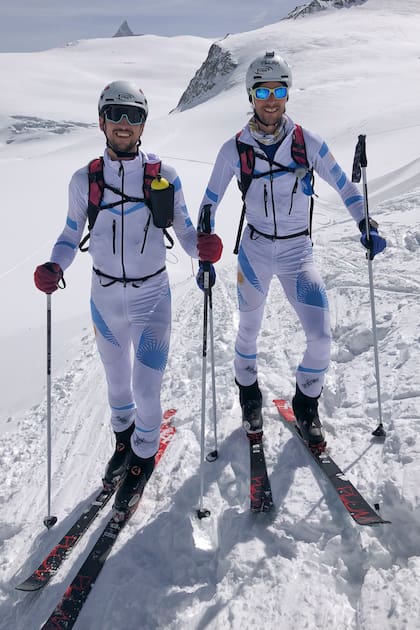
(209, 247)
(48, 276)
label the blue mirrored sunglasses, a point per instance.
(133, 115)
(263, 93)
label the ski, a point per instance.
(67, 610)
(260, 488)
(54, 559)
(52, 562)
(358, 508)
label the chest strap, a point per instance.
(273, 237)
(126, 281)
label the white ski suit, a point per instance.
(134, 309)
(276, 242)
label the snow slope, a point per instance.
(308, 565)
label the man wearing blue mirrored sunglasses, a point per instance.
(273, 160)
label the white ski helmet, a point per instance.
(122, 93)
(269, 67)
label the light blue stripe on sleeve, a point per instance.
(342, 181)
(211, 195)
(336, 171)
(72, 224)
(323, 150)
(66, 244)
(355, 199)
(177, 184)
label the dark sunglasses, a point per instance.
(133, 115)
(263, 93)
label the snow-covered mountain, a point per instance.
(308, 566)
(321, 5)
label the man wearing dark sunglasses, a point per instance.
(130, 296)
(276, 241)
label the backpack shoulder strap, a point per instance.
(299, 147)
(96, 189)
(95, 194)
(247, 162)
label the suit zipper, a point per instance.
(121, 174)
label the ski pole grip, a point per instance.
(205, 227)
(204, 223)
(360, 159)
(362, 146)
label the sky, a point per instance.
(31, 25)
(307, 565)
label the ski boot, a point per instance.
(117, 465)
(307, 420)
(250, 398)
(129, 493)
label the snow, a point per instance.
(307, 565)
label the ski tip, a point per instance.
(29, 586)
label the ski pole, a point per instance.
(359, 169)
(202, 512)
(212, 456)
(208, 310)
(49, 520)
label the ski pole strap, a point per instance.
(274, 237)
(124, 280)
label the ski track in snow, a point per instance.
(309, 544)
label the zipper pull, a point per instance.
(293, 192)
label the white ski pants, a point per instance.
(132, 327)
(291, 260)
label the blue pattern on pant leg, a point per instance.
(247, 270)
(241, 299)
(101, 325)
(309, 292)
(123, 407)
(245, 356)
(311, 370)
(151, 352)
